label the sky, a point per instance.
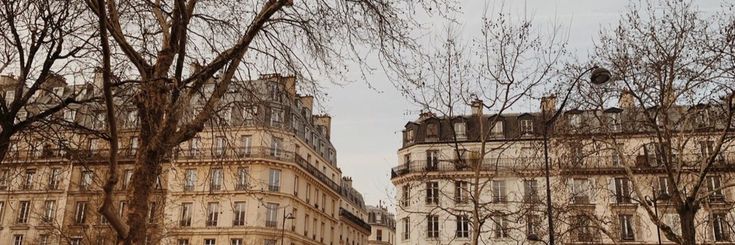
(367, 123)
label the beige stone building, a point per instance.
(593, 198)
(383, 225)
(263, 172)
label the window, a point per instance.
(274, 180)
(720, 227)
(249, 113)
(24, 209)
(242, 179)
(501, 227)
(583, 231)
(9, 96)
(575, 120)
(622, 190)
(714, 186)
(497, 130)
(80, 213)
(49, 211)
(183, 242)
(664, 187)
(152, 207)
(99, 122)
(132, 119)
(276, 146)
(127, 177)
(219, 146)
(461, 192)
(306, 225)
(194, 145)
(499, 195)
(215, 183)
(53, 179)
(308, 192)
(626, 227)
(614, 122)
(405, 195)
(275, 91)
(581, 191)
(463, 226)
(406, 228)
(190, 179)
(269, 242)
(17, 239)
(236, 241)
(210, 242)
(28, 179)
(526, 126)
(532, 224)
(121, 209)
(276, 117)
(432, 226)
(271, 215)
(432, 130)
(86, 182)
(185, 218)
(296, 186)
(379, 234)
(409, 135)
(530, 190)
(4, 174)
(247, 141)
(432, 192)
(43, 239)
(212, 213)
(432, 160)
(239, 213)
(460, 130)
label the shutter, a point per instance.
(611, 189)
(570, 187)
(593, 189)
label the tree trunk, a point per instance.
(687, 212)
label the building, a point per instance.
(353, 228)
(443, 176)
(263, 172)
(383, 225)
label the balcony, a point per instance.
(271, 223)
(354, 219)
(487, 164)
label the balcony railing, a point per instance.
(354, 219)
(487, 164)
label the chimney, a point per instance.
(347, 181)
(324, 121)
(477, 107)
(548, 104)
(98, 78)
(425, 114)
(290, 86)
(308, 102)
(194, 67)
(626, 100)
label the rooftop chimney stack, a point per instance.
(324, 121)
(548, 104)
(290, 86)
(347, 181)
(308, 102)
(626, 100)
(477, 107)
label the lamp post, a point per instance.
(283, 224)
(599, 76)
(655, 211)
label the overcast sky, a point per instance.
(367, 123)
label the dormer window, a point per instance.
(526, 126)
(575, 120)
(249, 112)
(275, 92)
(614, 122)
(432, 130)
(701, 119)
(497, 130)
(460, 130)
(409, 136)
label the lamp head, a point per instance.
(600, 76)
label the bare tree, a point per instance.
(511, 60)
(675, 88)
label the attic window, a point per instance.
(575, 120)
(526, 126)
(432, 130)
(701, 119)
(613, 121)
(460, 130)
(497, 129)
(409, 135)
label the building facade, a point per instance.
(383, 225)
(489, 169)
(262, 172)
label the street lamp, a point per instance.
(283, 224)
(599, 76)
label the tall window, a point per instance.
(406, 195)
(210, 242)
(463, 226)
(432, 192)
(664, 187)
(432, 130)
(249, 113)
(271, 215)
(49, 211)
(584, 229)
(409, 135)
(152, 207)
(714, 186)
(277, 117)
(183, 242)
(43, 239)
(406, 228)
(194, 145)
(626, 227)
(132, 119)
(432, 226)
(127, 177)
(219, 146)
(28, 179)
(54, 178)
(133, 145)
(17, 239)
(622, 190)
(247, 141)
(4, 174)
(460, 130)
(86, 182)
(379, 235)
(274, 180)
(432, 160)
(581, 191)
(276, 146)
(185, 218)
(80, 213)
(532, 224)
(212, 213)
(497, 130)
(24, 209)
(190, 179)
(215, 183)
(530, 190)
(501, 227)
(461, 191)
(720, 227)
(242, 179)
(236, 241)
(239, 213)
(614, 122)
(296, 186)
(499, 195)
(526, 126)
